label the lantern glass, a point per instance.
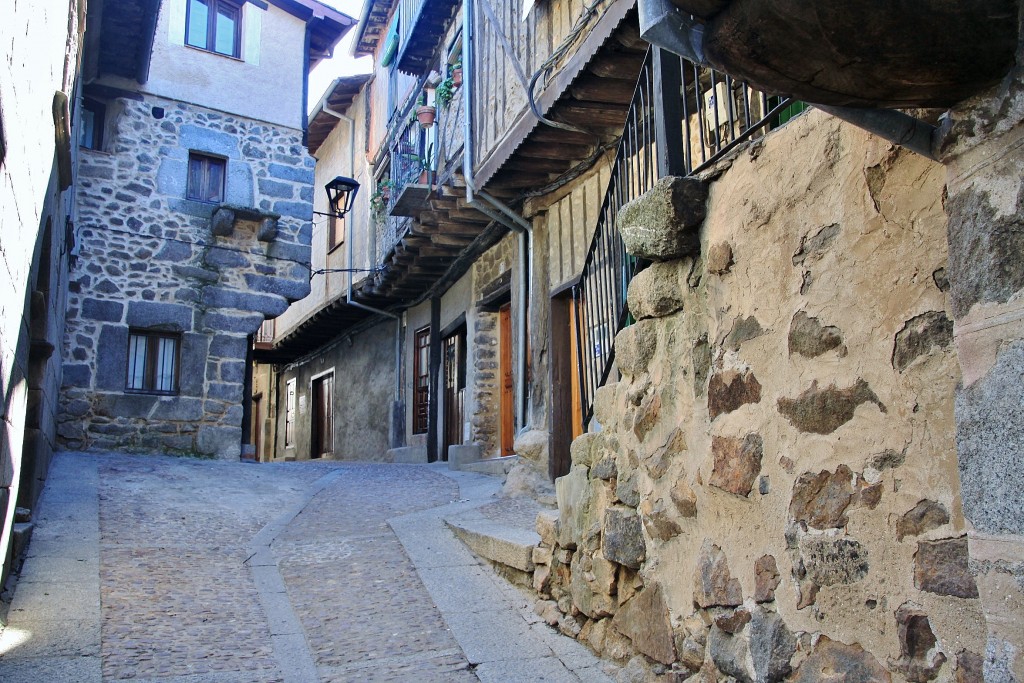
(341, 194)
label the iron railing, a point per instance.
(682, 119)
(406, 153)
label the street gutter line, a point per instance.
(287, 637)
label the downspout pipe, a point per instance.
(349, 259)
(496, 210)
(892, 125)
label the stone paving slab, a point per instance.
(163, 570)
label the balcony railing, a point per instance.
(265, 335)
(682, 119)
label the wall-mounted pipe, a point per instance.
(349, 258)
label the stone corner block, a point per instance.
(663, 223)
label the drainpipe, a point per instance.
(349, 259)
(498, 211)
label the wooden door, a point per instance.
(508, 401)
(322, 441)
(454, 361)
(256, 428)
(566, 416)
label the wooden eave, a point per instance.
(445, 235)
(339, 97)
(124, 31)
(425, 36)
(373, 24)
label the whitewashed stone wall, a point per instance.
(149, 259)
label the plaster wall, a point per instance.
(41, 48)
(774, 485)
(271, 62)
(333, 159)
(364, 381)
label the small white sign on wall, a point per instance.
(302, 404)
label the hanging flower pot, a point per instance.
(426, 115)
(457, 77)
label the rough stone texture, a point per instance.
(737, 463)
(766, 578)
(847, 229)
(990, 431)
(919, 659)
(743, 329)
(832, 561)
(761, 654)
(719, 258)
(829, 657)
(924, 517)
(809, 338)
(635, 346)
(969, 668)
(820, 500)
(730, 390)
(822, 411)
(532, 445)
(662, 224)
(919, 335)
(655, 292)
(714, 585)
(645, 621)
(623, 537)
(941, 567)
(175, 269)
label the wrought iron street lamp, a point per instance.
(341, 194)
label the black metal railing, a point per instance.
(682, 119)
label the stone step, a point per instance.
(495, 541)
(497, 467)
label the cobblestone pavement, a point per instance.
(158, 569)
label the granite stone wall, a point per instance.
(153, 260)
(494, 266)
(772, 493)
(982, 149)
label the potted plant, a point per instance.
(456, 69)
(445, 91)
(424, 163)
(425, 113)
(379, 199)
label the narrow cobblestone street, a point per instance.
(151, 568)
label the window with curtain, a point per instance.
(153, 362)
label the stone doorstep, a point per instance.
(494, 541)
(496, 467)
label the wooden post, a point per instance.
(435, 366)
(668, 85)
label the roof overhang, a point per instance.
(326, 25)
(338, 98)
(373, 24)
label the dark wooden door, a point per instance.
(256, 434)
(507, 402)
(566, 416)
(454, 389)
(322, 441)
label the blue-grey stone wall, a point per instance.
(148, 259)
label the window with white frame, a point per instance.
(153, 361)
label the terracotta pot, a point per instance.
(456, 77)
(426, 115)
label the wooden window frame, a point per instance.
(99, 118)
(205, 192)
(150, 360)
(421, 380)
(214, 8)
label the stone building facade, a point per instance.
(153, 260)
(195, 207)
(773, 490)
